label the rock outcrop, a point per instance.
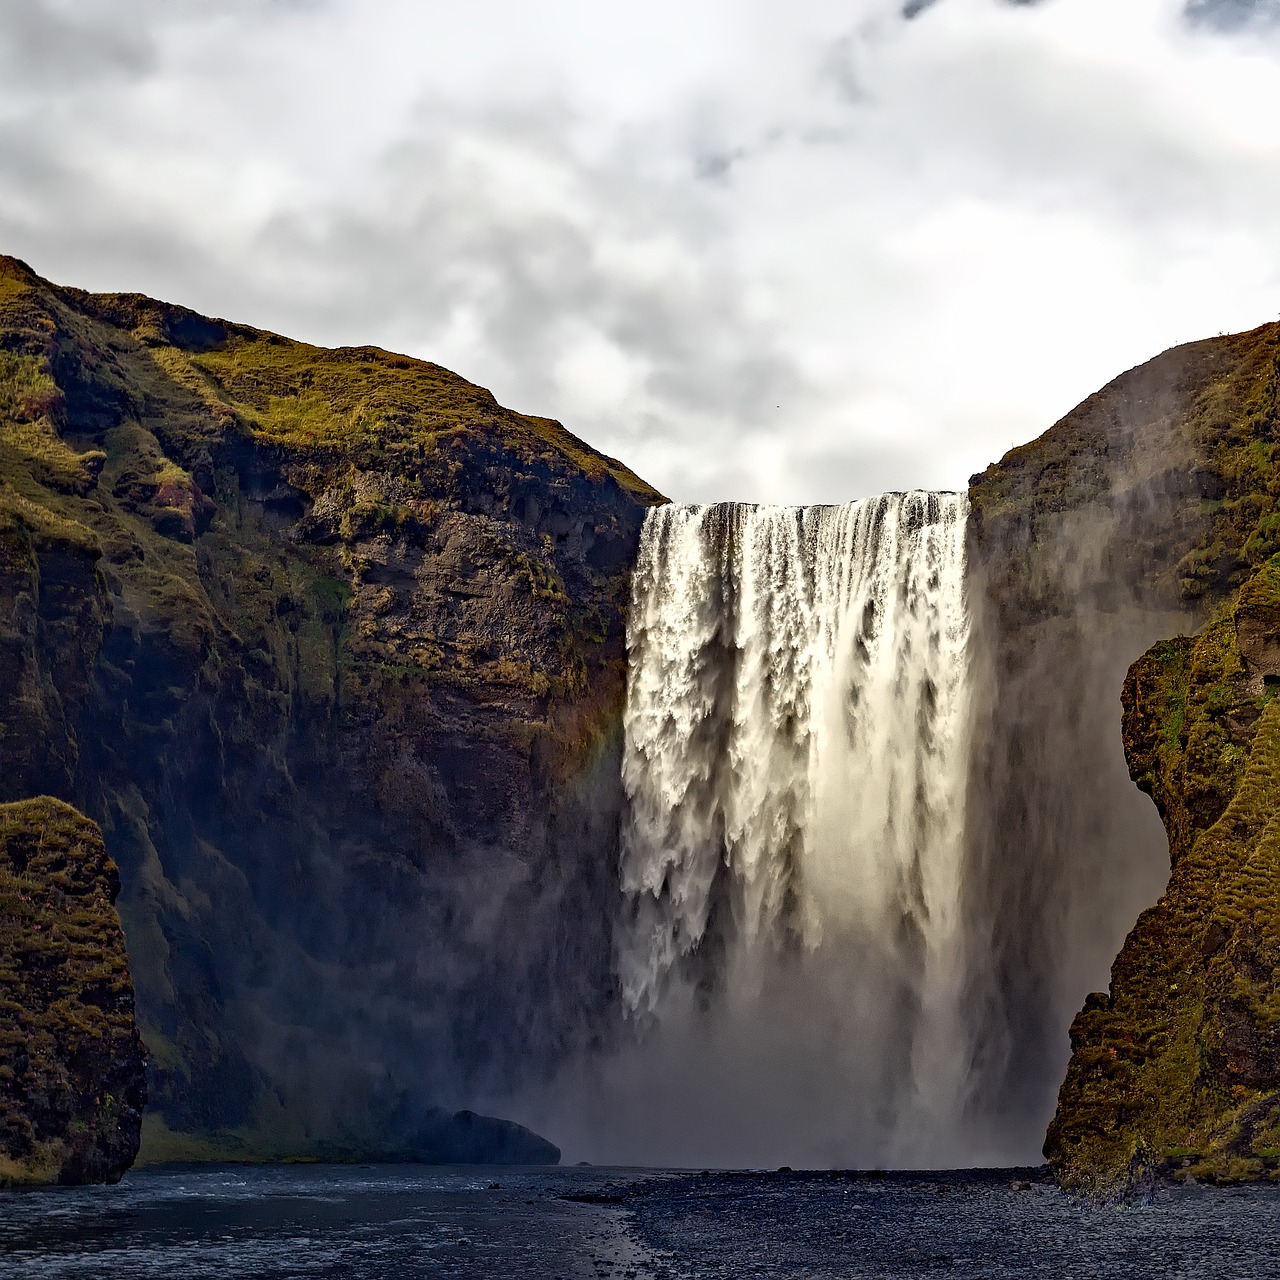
(1076, 550)
(466, 1138)
(331, 646)
(72, 1066)
(1176, 1069)
(1150, 512)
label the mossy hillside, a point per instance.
(1177, 1069)
(371, 406)
(359, 406)
(344, 639)
(72, 1067)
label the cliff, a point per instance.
(72, 1067)
(1139, 517)
(330, 644)
(1177, 1068)
(1146, 520)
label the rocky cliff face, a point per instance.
(72, 1067)
(1075, 547)
(331, 645)
(1176, 1070)
(1148, 512)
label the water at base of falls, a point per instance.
(795, 761)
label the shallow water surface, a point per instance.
(403, 1221)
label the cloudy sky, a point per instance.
(788, 252)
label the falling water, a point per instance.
(795, 757)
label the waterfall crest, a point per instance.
(795, 758)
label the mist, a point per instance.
(773, 1005)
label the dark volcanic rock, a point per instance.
(331, 644)
(466, 1138)
(72, 1066)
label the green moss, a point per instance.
(43, 526)
(371, 517)
(1235, 426)
(371, 406)
(28, 392)
(543, 581)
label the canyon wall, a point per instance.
(330, 645)
(1136, 519)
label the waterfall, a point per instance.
(795, 758)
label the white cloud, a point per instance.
(792, 253)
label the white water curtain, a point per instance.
(796, 750)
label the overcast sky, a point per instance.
(796, 251)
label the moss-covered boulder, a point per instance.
(72, 1065)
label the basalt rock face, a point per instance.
(72, 1066)
(331, 646)
(1136, 518)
